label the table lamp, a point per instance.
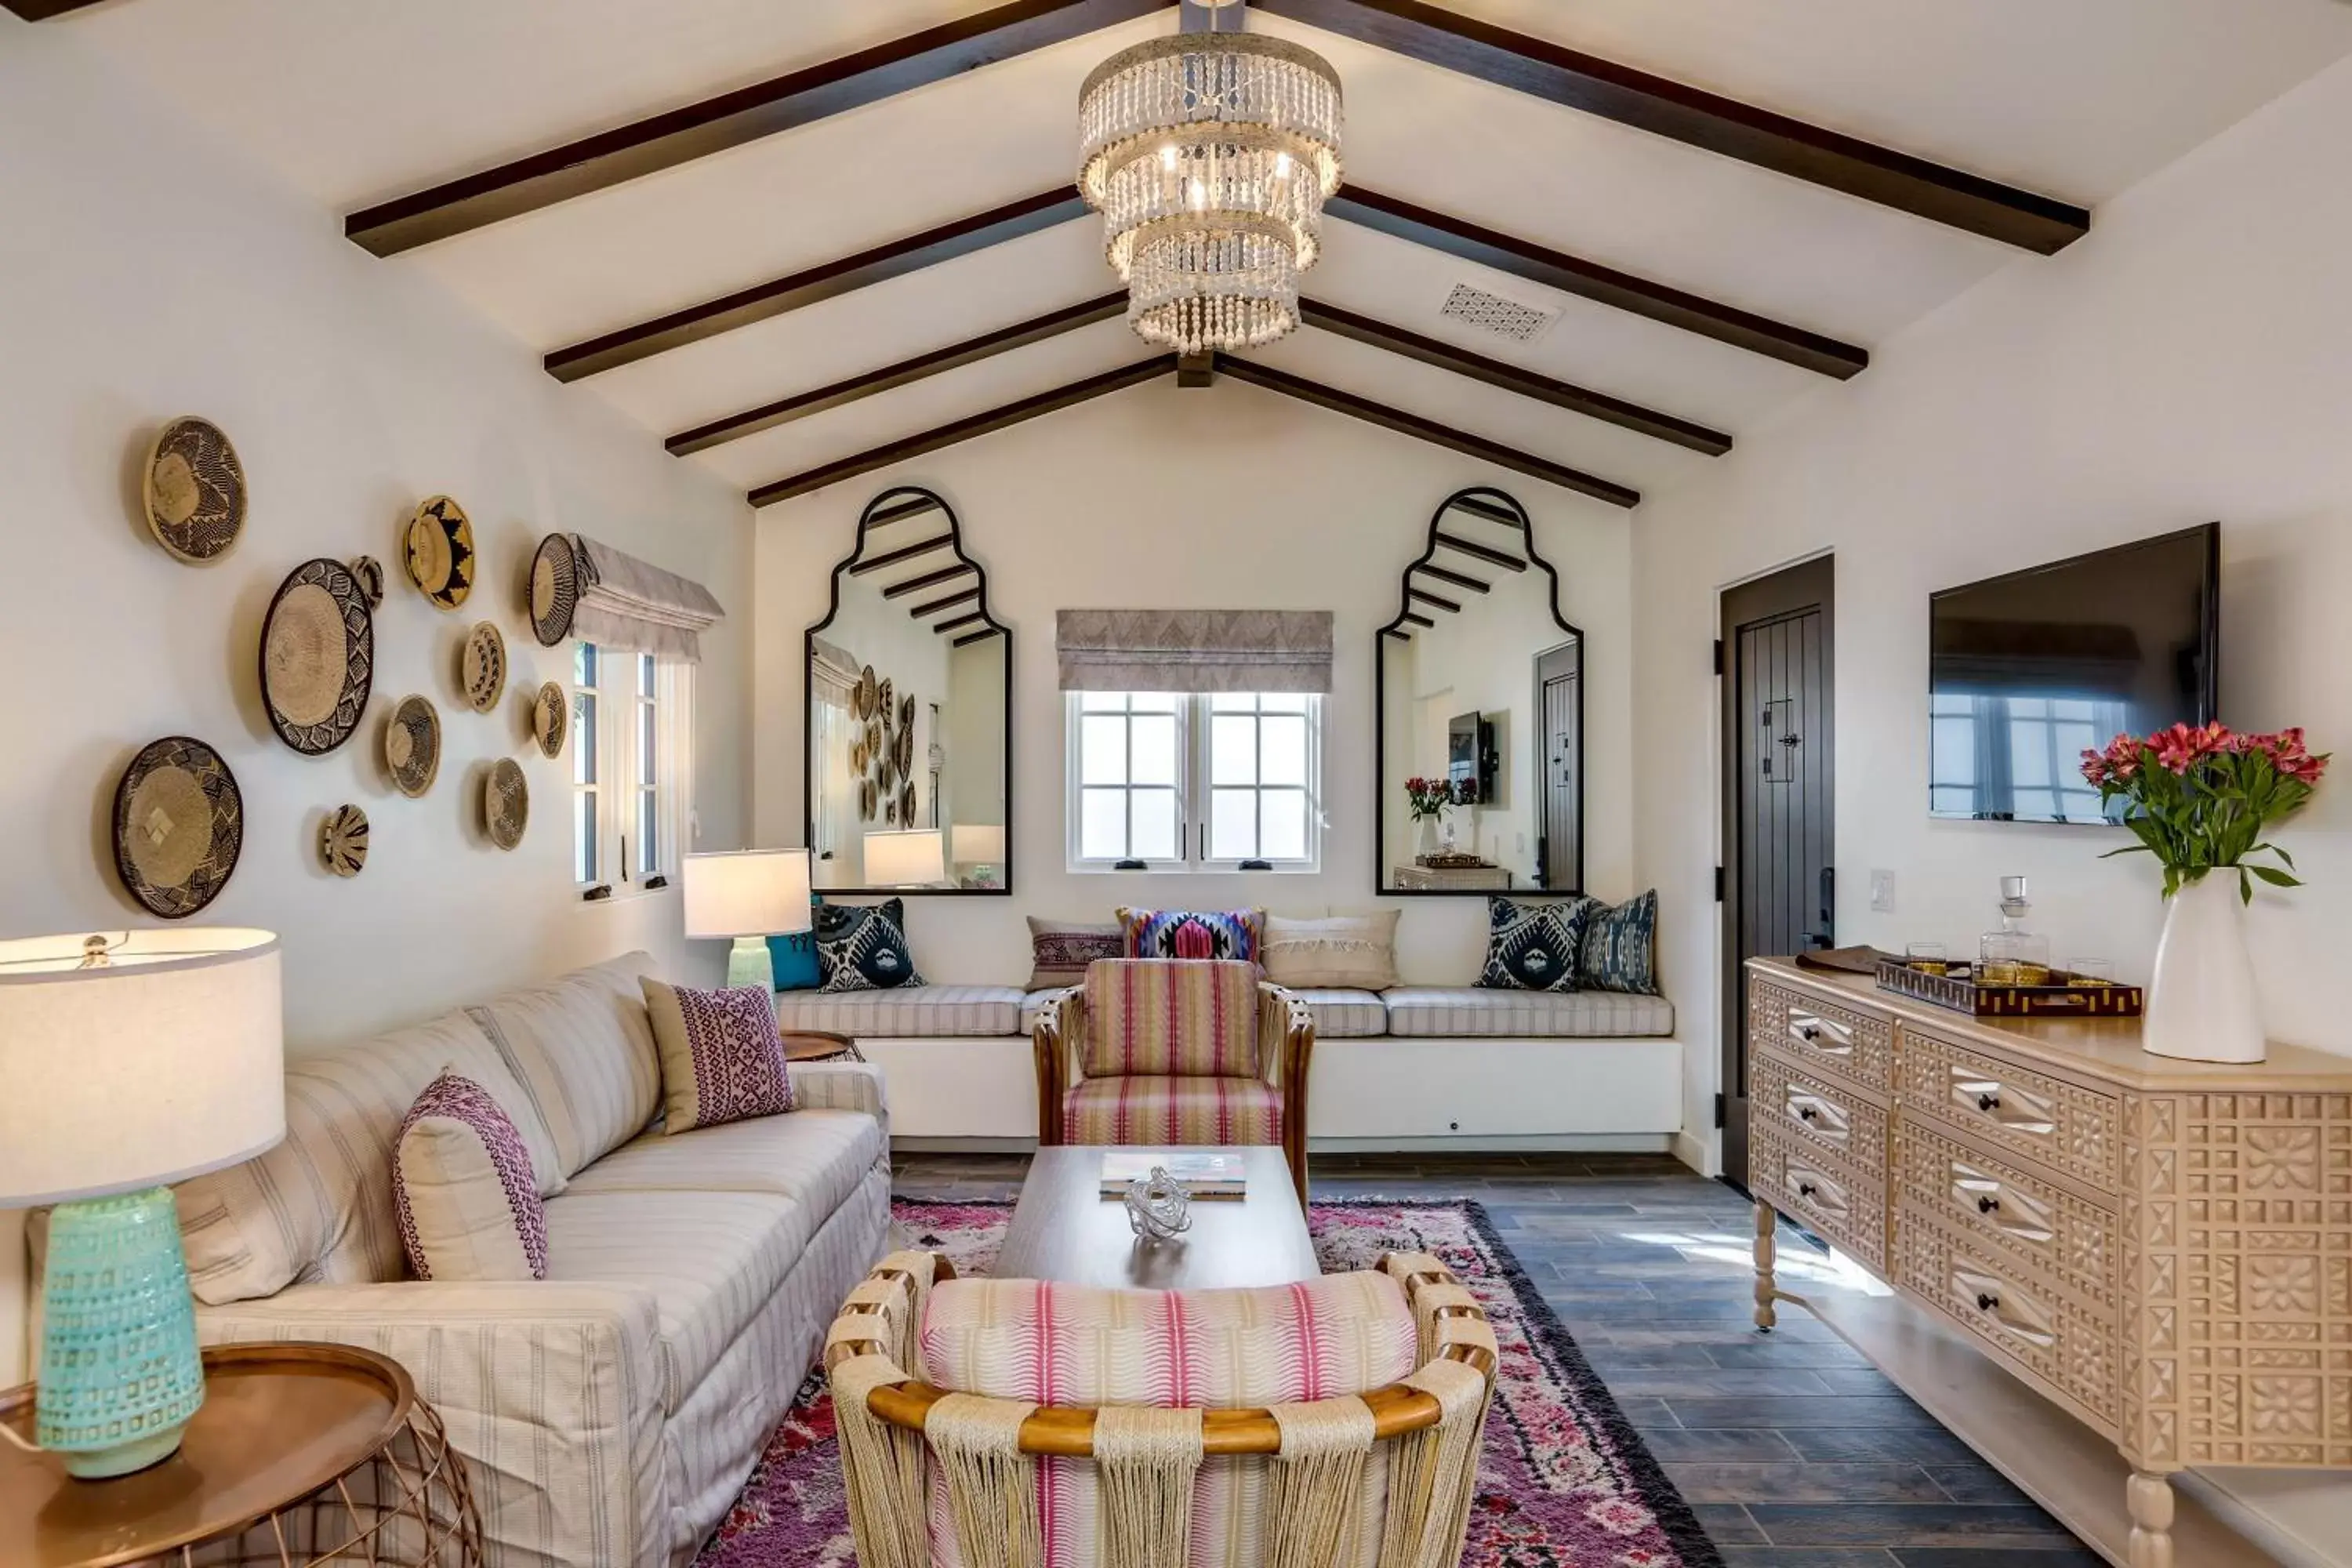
(750, 895)
(914, 857)
(980, 845)
(128, 1063)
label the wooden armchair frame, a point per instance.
(1286, 1040)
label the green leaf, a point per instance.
(2274, 877)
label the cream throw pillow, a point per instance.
(1338, 953)
(464, 1190)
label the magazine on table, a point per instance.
(1204, 1172)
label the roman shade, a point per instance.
(633, 604)
(1194, 650)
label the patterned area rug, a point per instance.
(1566, 1482)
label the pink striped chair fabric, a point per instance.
(1161, 1019)
(1224, 1110)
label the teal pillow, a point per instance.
(794, 958)
(1620, 948)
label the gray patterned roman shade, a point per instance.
(1194, 650)
(625, 602)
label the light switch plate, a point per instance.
(1882, 892)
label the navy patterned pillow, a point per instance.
(863, 948)
(1620, 946)
(1533, 947)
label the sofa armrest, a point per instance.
(842, 1086)
(551, 1392)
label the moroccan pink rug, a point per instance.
(1566, 1482)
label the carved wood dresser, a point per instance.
(2163, 1248)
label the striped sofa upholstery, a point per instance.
(610, 1414)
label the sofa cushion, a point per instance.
(1334, 952)
(1439, 1010)
(911, 1012)
(721, 1057)
(815, 1157)
(1172, 1111)
(1076, 1344)
(317, 1208)
(584, 1049)
(462, 1188)
(710, 1261)
(1346, 1014)
(1146, 1015)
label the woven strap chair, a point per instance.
(939, 1478)
(1160, 1051)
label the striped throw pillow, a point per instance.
(463, 1188)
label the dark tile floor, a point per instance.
(1793, 1450)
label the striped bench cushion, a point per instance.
(1172, 1111)
(1346, 1014)
(1467, 1010)
(907, 1012)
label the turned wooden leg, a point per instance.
(2149, 1497)
(1767, 1222)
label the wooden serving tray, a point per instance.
(2065, 995)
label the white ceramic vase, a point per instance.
(1427, 842)
(2201, 1002)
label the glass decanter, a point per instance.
(2012, 955)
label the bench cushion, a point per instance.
(1469, 1010)
(907, 1012)
(1346, 1014)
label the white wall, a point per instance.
(1231, 498)
(144, 274)
(2191, 360)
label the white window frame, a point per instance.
(1194, 794)
(622, 865)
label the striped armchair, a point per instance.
(1175, 1051)
(1014, 1423)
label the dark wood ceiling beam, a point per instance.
(1486, 511)
(972, 619)
(904, 509)
(1477, 552)
(1446, 574)
(1451, 607)
(1698, 118)
(42, 10)
(1429, 430)
(965, 429)
(890, 558)
(980, 636)
(1515, 378)
(764, 301)
(924, 612)
(730, 120)
(928, 579)
(1416, 620)
(1591, 280)
(1021, 334)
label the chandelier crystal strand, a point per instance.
(1210, 156)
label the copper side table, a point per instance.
(819, 1046)
(301, 1454)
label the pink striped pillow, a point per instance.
(463, 1189)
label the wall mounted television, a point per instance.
(2027, 670)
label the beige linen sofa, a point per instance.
(611, 1411)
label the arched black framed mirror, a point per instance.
(1479, 693)
(908, 729)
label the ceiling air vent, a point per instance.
(1492, 314)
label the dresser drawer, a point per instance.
(1816, 1111)
(2011, 1107)
(2008, 1215)
(1843, 1202)
(2056, 1340)
(1822, 1035)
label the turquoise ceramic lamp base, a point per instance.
(748, 963)
(120, 1374)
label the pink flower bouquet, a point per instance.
(2199, 799)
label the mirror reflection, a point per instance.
(907, 727)
(1481, 695)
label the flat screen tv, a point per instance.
(2028, 671)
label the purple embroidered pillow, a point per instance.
(722, 1058)
(463, 1187)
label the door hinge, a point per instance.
(1718, 656)
(1719, 1109)
(1718, 884)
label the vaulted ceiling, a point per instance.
(1716, 203)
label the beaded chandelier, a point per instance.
(1210, 156)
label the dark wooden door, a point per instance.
(1559, 700)
(1779, 797)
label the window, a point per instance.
(1161, 781)
(631, 747)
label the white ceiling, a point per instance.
(354, 102)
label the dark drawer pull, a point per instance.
(1986, 1303)
(1809, 1112)
(1808, 1031)
(1988, 1102)
(1986, 1205)
(1805, 1189)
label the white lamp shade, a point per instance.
(751, 892)
(979, 844)
(906, 859)
(166, 1062)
